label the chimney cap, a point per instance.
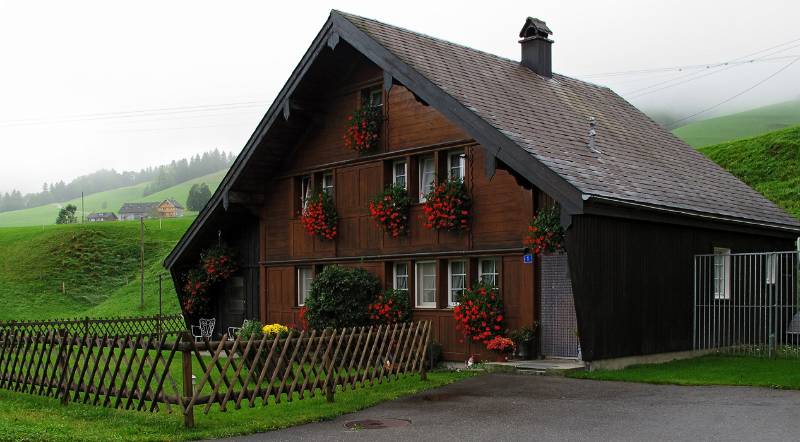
(534, 28)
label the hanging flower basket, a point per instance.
(479, 313)
(389, 210)
(363, 128)
(447, 206)
(319, 216)
(216, 265)
(545, 234)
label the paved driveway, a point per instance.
(519, 407)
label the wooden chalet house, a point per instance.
(636, 202)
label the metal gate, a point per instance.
(559, 326)
(747, 303)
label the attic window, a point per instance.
(372, 96)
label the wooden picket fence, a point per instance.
(111, 326)
(164, 371)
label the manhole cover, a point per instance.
(376, 424)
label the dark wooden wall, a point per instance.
(502, 210)
(633, 281)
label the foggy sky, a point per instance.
(125, 85)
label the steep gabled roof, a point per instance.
(137, 207)
(537, 126)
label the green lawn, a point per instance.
(97, 263)
(769, 163)
(708, 370)
(111, 199)
(740, 125)
(32, 418)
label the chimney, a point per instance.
(536, 47)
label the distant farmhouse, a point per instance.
(168, 208)
(101, 216)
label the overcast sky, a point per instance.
(89, 85)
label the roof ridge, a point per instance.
(348, 15)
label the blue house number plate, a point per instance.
(527, 258)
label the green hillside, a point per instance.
(112, 199)
(769, 163)
(97, 263)
(740, 125)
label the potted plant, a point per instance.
(545, 234)
(363, 127)
(390, 209)
(448, 206)
(319, 217)
(524, 339)
(501, 346)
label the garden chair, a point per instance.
(205, 330)
(233, 332)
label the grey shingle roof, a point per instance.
(640, 162)
(137, 207)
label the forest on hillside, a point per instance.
(159, 178)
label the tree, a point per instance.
(199, 195)
(67, 215)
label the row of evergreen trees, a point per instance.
(163, 176)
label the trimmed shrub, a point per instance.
(340, 297)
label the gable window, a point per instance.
(456, 280)
(327, 182)
(722, 268)
(304, 277)
(427, 176)
(456, 165)
(426, 284)
(400, 281)
(305, 190)
(488, 272)
(400, 173)
(372, 97)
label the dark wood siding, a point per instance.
(632, 281)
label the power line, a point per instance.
(691, 66)
(759, 83)
(138, 113)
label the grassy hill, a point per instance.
(740, 125)
(112, 199)
(769, 163)
(98, 265)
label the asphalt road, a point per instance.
(543, 408)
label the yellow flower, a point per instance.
(275, 329)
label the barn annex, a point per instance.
(636, 202)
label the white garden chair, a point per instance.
(205, 330)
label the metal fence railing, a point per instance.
(747, 303)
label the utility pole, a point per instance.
(141, 262)
(83, 211)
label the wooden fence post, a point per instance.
(188, 388)
(63, 355)
(423, 372)
(326, 360)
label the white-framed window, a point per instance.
(456, 280)
(400, 277)
(305, 190)
(400, 173)
(426, 284)
(304, 277)
(427, 176)
(488, 272)
(374, 97)
(327, 182)
(722, 273)
(456, 165)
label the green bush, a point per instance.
(252, 328)
(340, 297)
